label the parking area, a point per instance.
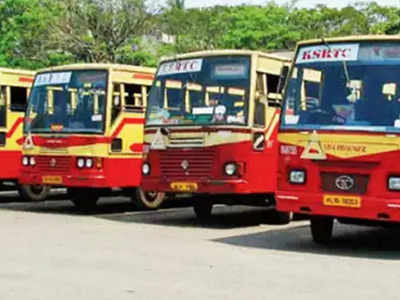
(51, 251)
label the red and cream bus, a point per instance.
(15, 86)
(340, 133)
(84, 129)
(211, 128)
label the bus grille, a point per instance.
(360, 183)
(53, 164)
(187, 164)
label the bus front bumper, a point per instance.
(92, 180)
(203, 186)
(368, 208)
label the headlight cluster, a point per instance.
(146, 169)
(394, 183)
(297, 176)
(82, 162)
(28, 161)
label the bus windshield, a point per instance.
(201, 91)
(344, 86)
(67, 102)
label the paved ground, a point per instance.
(49, 251)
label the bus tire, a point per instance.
(321, 229)
(283, 218)
(147, 200)
(203, 209)
(33, 192)
(84, 199)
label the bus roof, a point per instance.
(284, 56)
(17, 71)
(352, 38)
(110, 67)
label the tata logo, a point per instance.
(53, 162)
(185, 165)
(344, 183)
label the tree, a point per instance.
(24, 33)
(97, 30)
(258, 27)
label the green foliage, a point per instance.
(24, 24)
(254, 27)
(40, 33)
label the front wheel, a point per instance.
(83, 198)
(33, 192)
(148, 200)
(321, 229)
(283, 218)
(203, 209)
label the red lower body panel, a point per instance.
(372, 208)
(207, 186)
(10, 162)
(204, 167)
(115, 173)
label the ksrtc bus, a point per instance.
(84, 129)
(15, 87)
(211, 128)
(340, 133)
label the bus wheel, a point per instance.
(83, 198)
(34, 192)
(148, 200)
(321, 229)
(203, 209)
(283, 218)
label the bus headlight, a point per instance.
(89, 163)
(146, 169)
(32, 161)
(25, 161)
(230, 169)
(394, 183)
(297, 177)
(80, 163)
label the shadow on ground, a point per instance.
(174, 212)
(351, 241)
(58, 203)
(223, 217)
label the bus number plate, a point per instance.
(184, 186)
(52, 180)
(342, 201)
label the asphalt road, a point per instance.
(49, 250)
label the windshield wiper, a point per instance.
(344, 63)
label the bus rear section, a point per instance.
(211, 129)
(339, 134)
(84, 130)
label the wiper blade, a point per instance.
(344, 63)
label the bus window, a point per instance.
(116, 102)
(273, 90)
(133, 95)
(261, 96)
(18, 98)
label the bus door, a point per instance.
(128, 102)
(267, 105)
